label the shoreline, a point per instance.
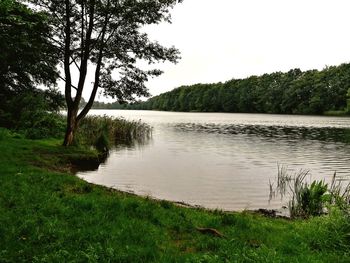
(49, 214)
(325, 114)
(271, 213)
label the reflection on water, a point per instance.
(274, 132)
(224, 160)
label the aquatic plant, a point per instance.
(339, 194)
(103, 132)
(309, 199)
(283, 179)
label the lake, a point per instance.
(224, 160)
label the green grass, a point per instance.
(49, 215)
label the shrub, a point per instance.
(44, 125)
(33, 112)
(4, 133)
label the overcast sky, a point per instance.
(224, 39)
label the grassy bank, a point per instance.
(49, 215)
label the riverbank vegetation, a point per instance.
(104, 132)
(43, 41)
(35, 114)
(48, 215)
(308, 197)
(293, 92)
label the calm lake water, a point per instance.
(223, 160)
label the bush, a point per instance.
(33, 112)
(44, 125)
(4, 133)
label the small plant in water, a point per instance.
(309, 199)
(339, 194)
(283, 179)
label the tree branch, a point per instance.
(82, 28)
(62, 78)
(74, 61)
(86, 54)
(68, 91)
(89, 104)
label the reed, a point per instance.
(283, 180)
(105, 132)
(309, 199)
(340, 194)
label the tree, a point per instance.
(27, 58)
(106, 36)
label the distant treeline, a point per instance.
(294, 92)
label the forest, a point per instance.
(293, 92)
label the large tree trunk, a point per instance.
(73, 118)
(72, 125)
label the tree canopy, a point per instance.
(27, 56)
(292, 92)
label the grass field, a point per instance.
(49, 215)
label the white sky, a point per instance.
(224, 39)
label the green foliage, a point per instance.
(27, 59)
(44, 125)
(293, 92)
(308, 200)
(348, 101)
(4, 133)
(26, 56)
(33, 113)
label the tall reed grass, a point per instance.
(104, 132)
(340, 194)
(283, 179)
(310, 199)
